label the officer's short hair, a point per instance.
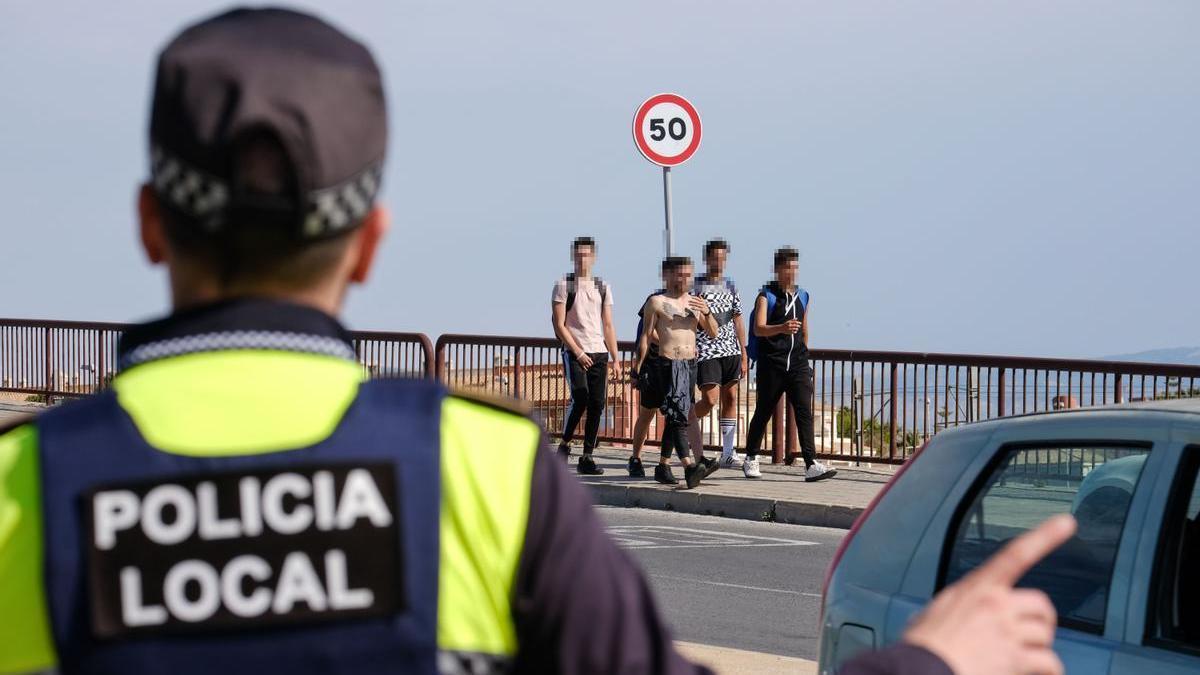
(253, 253)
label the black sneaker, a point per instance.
(664, 475)
(692, 475)
(564, 451)
(635, 468)
(710, 464)
(587, 466)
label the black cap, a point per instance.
(279, 73)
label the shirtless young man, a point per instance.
(667, 383)
(641, 426)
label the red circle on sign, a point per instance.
(644, 147)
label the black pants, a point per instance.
(678, 381)
(774, 382)
(588, 389)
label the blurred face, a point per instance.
(679, 278)
(584, 257)
(787, 272)
(716, 261)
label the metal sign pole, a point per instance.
(669, 235)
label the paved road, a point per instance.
(12, 412)
(731, 583)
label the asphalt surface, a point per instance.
(731, 583)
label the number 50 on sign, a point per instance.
(667, 129)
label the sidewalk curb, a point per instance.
(726, 506)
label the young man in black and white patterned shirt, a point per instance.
(722, 360)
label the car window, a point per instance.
(1030, 484)
(1175, 613)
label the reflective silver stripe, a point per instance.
(472, 663)
(210, 342)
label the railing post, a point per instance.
(439, 361)
(970, 393)
(427, 354)
(779, 431)
(99, 360)
(893, 410)
(1000, 390)
(49, 383)
(1117, 390)
(856, 416)
(516, 370)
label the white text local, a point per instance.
(259, 505)
(297, 583)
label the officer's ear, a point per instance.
(153, 235)
(367, 243)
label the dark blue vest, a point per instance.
(94, 444)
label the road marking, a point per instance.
(726, 585)
(727, 661)
(666, 536)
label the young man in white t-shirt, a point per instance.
(581, 312)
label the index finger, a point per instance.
(1010, 563)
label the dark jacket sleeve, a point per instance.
(899, 659)
(582, 605)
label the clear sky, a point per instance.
(1006, 177)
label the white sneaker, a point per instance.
(819, 471)
(750, 468)
(733, 461)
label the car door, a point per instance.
(1092, 465)
(1163, 624)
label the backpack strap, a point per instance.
(771, 300)
(571, 288)
(752, 339)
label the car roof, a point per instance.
(1175, 405)
(1187, 405)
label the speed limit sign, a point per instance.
(666, 129)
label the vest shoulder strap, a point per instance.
(495, 402)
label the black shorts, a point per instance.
(658, 384)
(722, 370)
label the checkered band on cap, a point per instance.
(188, 189)
(334, 209)
(203, 197)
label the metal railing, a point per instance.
(44, 359)
(384, 354)
(868, 406)
(52, 359)
(532, 369)
(885, 404)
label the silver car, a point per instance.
(1126, 586)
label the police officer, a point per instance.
(241, 500)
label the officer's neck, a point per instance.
(192, 293)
